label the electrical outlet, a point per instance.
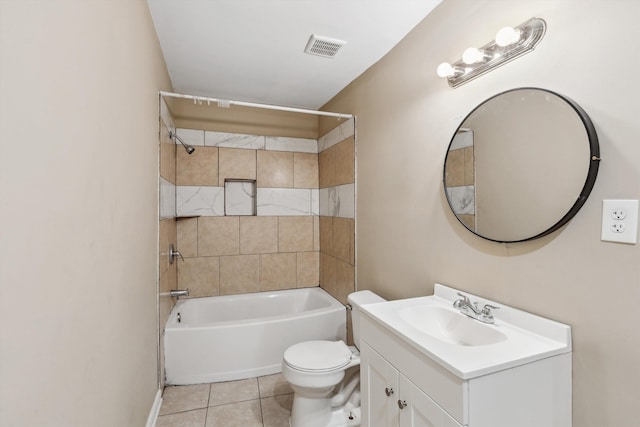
(620, 221)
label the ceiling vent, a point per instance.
(323, 46)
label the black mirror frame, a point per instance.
(590, 180)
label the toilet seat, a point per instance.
(318, 356)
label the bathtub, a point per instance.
(233, 337)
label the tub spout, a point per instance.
(177, 293)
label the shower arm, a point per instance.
(187, 147)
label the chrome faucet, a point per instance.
(177, 293)
(484, 314)
(174, 253)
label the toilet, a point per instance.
(325, 376)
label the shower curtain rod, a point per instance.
(226, 103)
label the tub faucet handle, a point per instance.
(173, 253)
(177, 293)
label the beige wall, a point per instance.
(78, 207)
(247, 120)
(408, 238)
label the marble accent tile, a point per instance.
(167, 199)
(235, 163)
(273, 385)
(165, 114)
(239, 274)
(315, 201)
(191, 136)
(462, 140)
(462, 199)
(195, 200)
(194, 418)
(240, 414)
(275, 169)
(276, 410)
(308, 269)
(338, 201)
(284, 201)
(184, 398)
(240, 197)
(198, 168)
(305, 170)
(200, 276)
(258, 234)
(187, 237)
(218, 236)
(299, 145)
(295, 234)
(340, 133)
(233, 391)
(234, 140)
(327, 168)
(277, 271)
(345, 161)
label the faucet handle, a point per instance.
(488, 307)
(487, 316)
(464, 297)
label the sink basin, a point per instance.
(451, 327)
(467, 347)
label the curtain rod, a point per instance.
(226, 103)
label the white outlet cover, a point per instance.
(624, 230)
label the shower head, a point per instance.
(188, 148)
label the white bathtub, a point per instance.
(243, 336)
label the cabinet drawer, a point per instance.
(443, 387)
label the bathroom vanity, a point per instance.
(423, 363)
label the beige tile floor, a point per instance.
(255, 402)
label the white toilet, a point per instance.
(316, 369)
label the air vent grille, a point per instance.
(323, 46)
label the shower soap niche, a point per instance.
(239, 197)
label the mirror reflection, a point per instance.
(521, 165)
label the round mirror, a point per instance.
(521, 165)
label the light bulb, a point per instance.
(472, 55)
(445, 70)
(507, 36)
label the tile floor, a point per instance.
(255, 402)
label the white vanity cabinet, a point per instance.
(402, 386)
(390, 399)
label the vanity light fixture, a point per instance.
(509, 44)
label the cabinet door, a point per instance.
(379, 388)
(418, 410)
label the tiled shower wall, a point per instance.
(303, 233)
(276, 249)
(336, 162)
(167, 273)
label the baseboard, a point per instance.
(155, 410)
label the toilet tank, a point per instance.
(357, 300)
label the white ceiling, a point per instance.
(253, 50)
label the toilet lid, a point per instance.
(318, 355)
